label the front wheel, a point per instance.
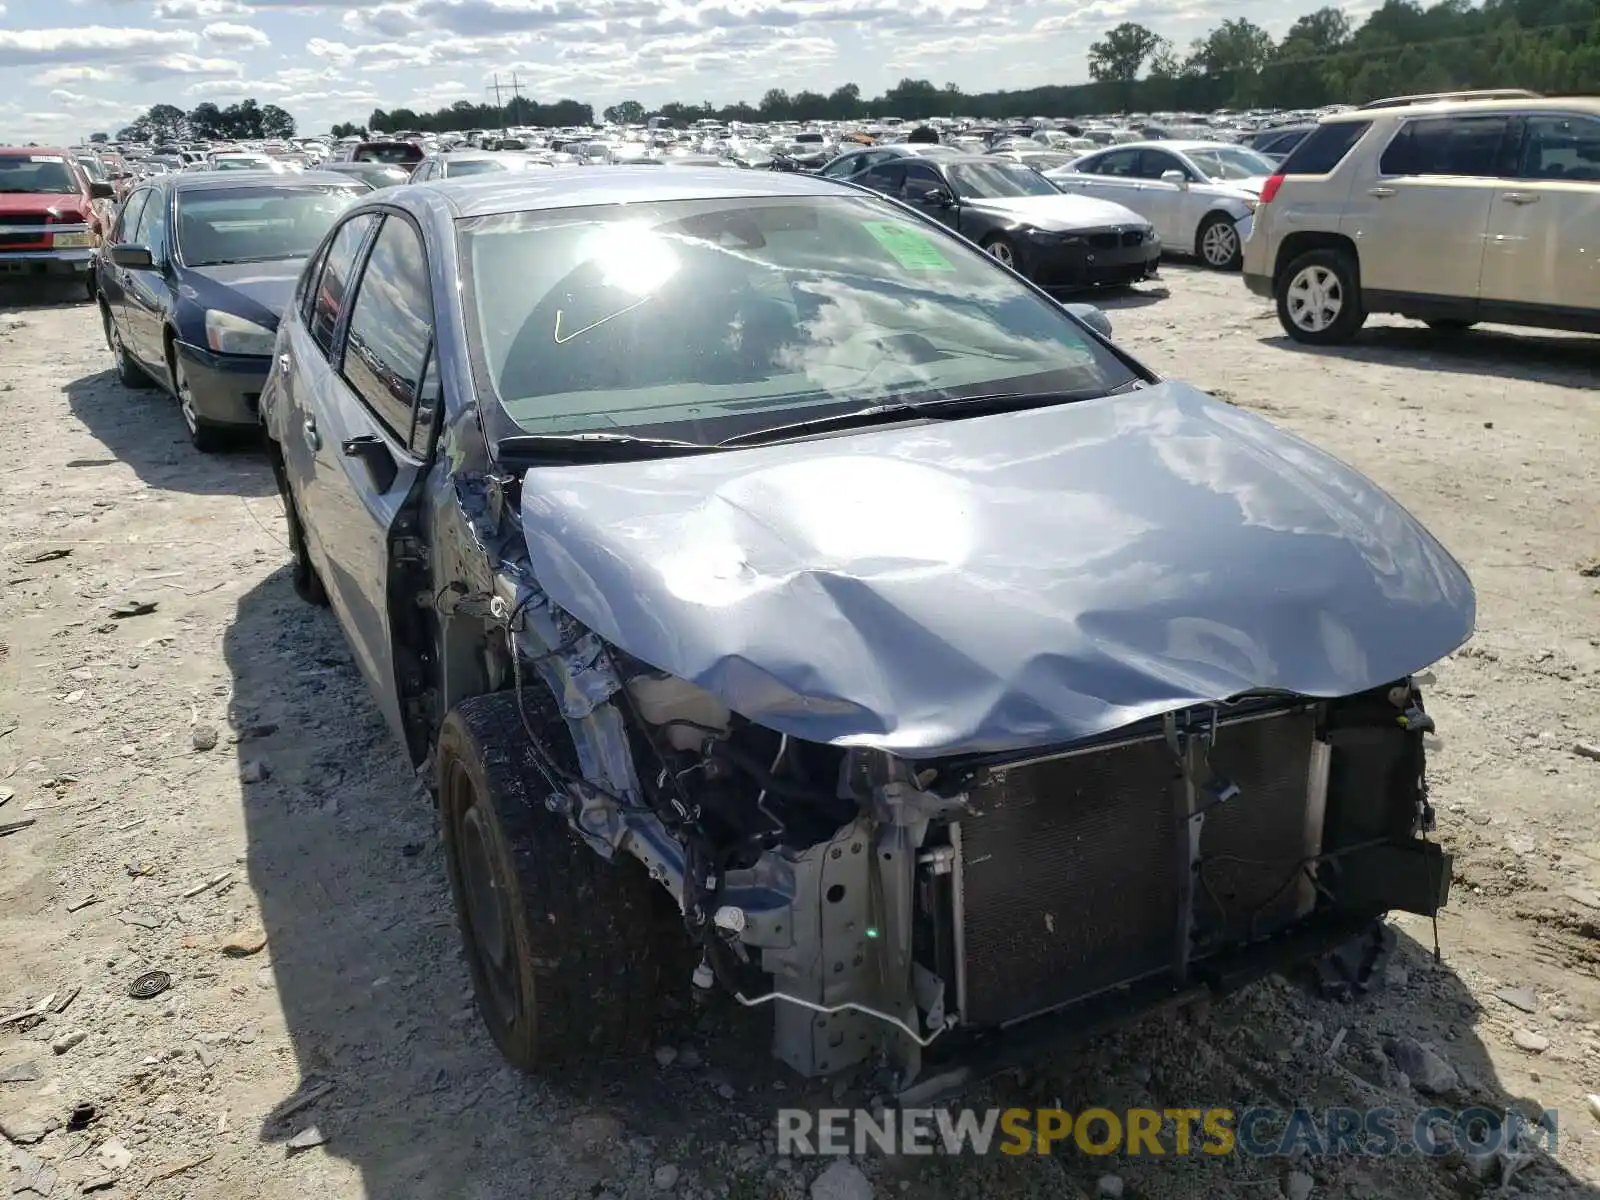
(1002, 251)
(1319, 299)
(565, 949)
(1218, 243)
(207, 438)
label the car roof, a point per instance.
(1434, 108)
(10, 151)
(579, 187)
(1181, 145)
(211, 181)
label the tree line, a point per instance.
(206, 122)
(1324, 58)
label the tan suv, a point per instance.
(1448, 209)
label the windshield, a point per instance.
(1232, 162)
(995, 181)
(714, 317)
(240, 163)
(404, 153)
(256, 224)
(46, 173)
(93, 169)
(472, 166)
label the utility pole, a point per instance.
(516, 88)
(495, 88)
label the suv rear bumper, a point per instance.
(1260, 285)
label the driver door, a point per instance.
(362, 411)
(923, 184)
(1161, 203)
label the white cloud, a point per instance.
(56, 76)
(197, 10)
(89, 43)
(183, 64)
(235, 37)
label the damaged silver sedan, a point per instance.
(785, 596)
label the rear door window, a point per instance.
(1560, 147)
(391, 324)
(1457, 146)
(1324, 148)
(333, 283)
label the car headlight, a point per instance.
(228, 334)
(1250, 202)
(72, 241)
(1054, 237)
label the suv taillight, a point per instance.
(1270, 191)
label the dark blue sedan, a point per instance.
(752, 535)
(196, 273)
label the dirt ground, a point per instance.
(150, 851)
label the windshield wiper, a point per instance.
(940, 410)
(595, 445)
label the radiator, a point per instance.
(1070, 871)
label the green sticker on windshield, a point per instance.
(913, 250)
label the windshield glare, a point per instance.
(1231, 162)
(47, 173)
(473, 166)
(256, 224)
(701, 319)
(996, 181)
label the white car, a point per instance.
(1200, 196)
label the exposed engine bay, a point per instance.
(907, 911)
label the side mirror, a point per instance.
(100, 190)
(939, 198)
(1092, 316)
(1175, 177)
(136, 257)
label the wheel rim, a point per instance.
(1316, 298)
(484, 897)
(1001, 252)
(185, 399)
(1220, 243)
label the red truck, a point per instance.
(48, 223)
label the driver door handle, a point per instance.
(309, 429)
(1382, 193)
(1521, 197)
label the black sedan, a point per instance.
(1018, 216)
(750, 535)
(197, 271)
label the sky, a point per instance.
(71, 67)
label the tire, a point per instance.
(566, 950)
(1003, 252)
(1319, 299)
(1218, 245)
(1450, 325)
(129, 374)
(307, 583)
(206, 438)
(91, 288)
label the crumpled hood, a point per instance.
(1019, 580)
(1062, 213)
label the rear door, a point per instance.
(1421, 221)
(363, 410)
(1544, 224)
(1114, 175)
